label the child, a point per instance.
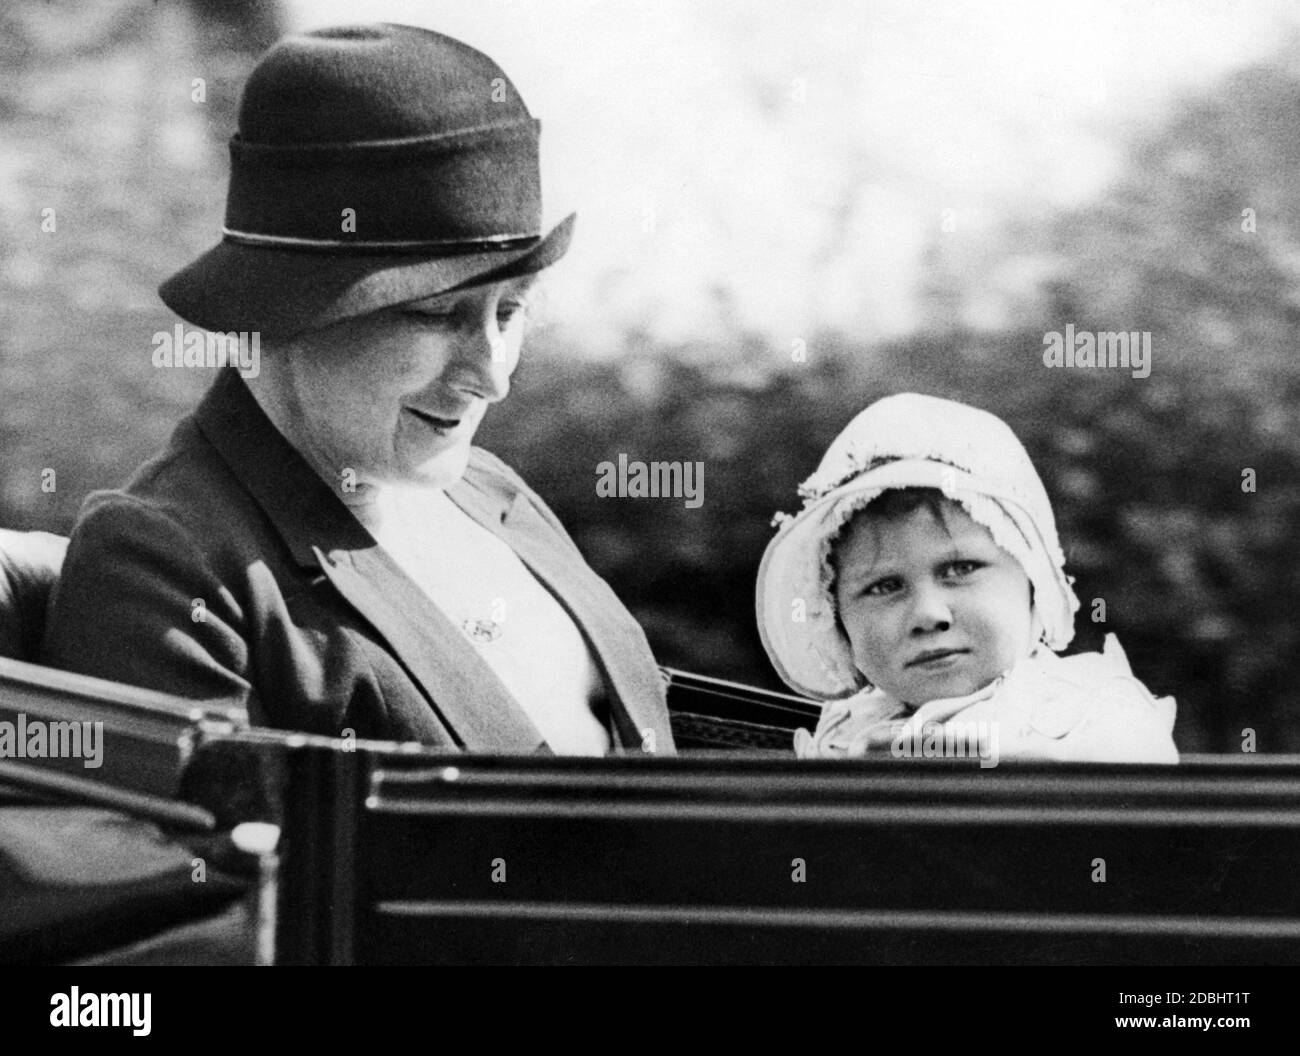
(921, 593)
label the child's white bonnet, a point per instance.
(903, 441)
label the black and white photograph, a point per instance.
(621, 483)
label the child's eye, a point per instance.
(881, 587)
(959, 569)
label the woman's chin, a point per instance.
(442, 470)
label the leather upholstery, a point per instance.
(29, 570)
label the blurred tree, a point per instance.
(1200, 244)
(114, 118)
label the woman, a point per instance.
(320, 542)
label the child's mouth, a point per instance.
(937, 658)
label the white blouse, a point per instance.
(513, 621)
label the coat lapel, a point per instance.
(584, 597)
(460, 685)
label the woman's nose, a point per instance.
(930, 609)
(483, 360)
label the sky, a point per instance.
(781, 165)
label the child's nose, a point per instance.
(930, 609)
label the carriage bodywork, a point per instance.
(732, 852)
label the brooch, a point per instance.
(481, 629)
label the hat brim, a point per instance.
(280, 292)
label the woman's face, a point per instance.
(395, 396)
(932, 609)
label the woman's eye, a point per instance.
(881, 587)
(507, 310)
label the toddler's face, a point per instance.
(932, 608)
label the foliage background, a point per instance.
(765, 221)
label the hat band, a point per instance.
(475, 192)
(314, 153)
(499, 243)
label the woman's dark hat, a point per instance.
(373, 165)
